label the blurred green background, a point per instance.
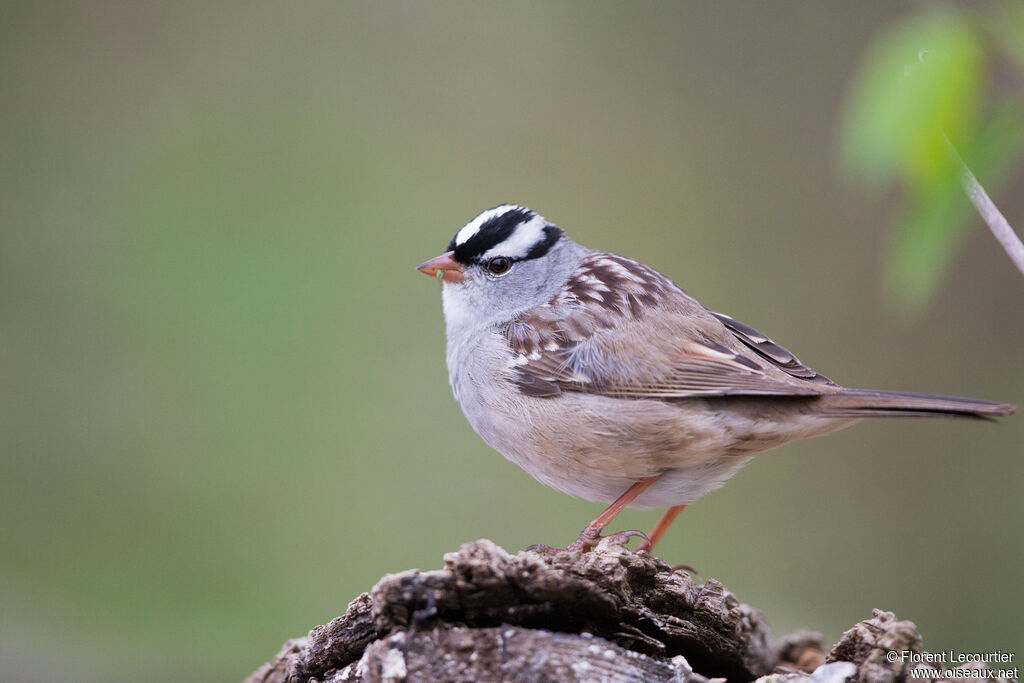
(225, 409)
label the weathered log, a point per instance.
(606, 615)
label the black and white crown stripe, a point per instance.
(508, 230)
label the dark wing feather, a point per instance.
(585, 340)
(770, 351)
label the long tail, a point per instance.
(871, 403)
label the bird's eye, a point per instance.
(499, 265)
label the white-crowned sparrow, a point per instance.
(602, 378)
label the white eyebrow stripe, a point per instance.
(473, 227)
(526, 236)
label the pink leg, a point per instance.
(592, 533)
(660, 528)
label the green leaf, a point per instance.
(920, 79)
(938, 214)
(930, 228)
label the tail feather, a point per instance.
(872, 403)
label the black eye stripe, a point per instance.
(551, 235)
(493, 232)
(498, 229)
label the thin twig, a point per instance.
(995, 220)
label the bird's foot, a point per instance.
(588, 540)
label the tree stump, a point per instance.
(606, 615)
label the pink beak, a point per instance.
(449, 269)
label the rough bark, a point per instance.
(606, 615)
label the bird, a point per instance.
(604, 379)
